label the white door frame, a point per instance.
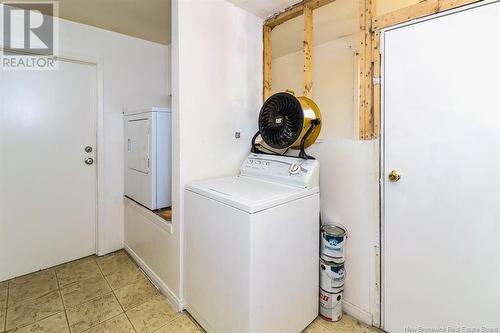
(380, 271)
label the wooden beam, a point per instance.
(416, 11)
(376, 85)
(307, 49)
(362, 69)
(267, 61)
(288, 14)
(366, 114)
(294, 11)
(368, 72)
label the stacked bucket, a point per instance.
(331, 271)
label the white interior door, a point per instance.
(441, 221)
(47, 191)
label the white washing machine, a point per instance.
(251, 247)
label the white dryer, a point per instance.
(251, 247)
(148, 157)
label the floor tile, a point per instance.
(32, 310)
(53, 324)
(3, 298)
(77, 271)
(2, 320)
(347, 325)
(120, 271)
(136, 293)
(124, 276)
(112, 262)
(152, 315)
(316, 328)
(182, 325)
(118, 324)
(81, 291)
(78, 261)
(31, 286)
(31, 277)
(87, 315)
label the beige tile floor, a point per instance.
(104, 294)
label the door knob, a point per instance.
(89, 161)
(394, 176)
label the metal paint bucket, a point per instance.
(331, 275)
(332, 243)
(330, 304)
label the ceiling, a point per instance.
(263, 8)
(335, 20)
(146, 19)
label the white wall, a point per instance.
(134, 76)
(216, 90)
(349, 168)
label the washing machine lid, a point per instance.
(249, 194)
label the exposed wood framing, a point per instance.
(366, 115)
(294, 11)
(369, 52)
(418, 10)
(376, 83)
(307, 49)
(305, 7)
(268, 59)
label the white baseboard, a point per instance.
(360, 314)
(177, 303)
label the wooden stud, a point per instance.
(366, 94)
(376, 86)
(307, 48)
(365, 74)
(362, 60)
(267, 61)
(294, 11)
(418, 10)
(368, 72)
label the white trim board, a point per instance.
(358, 313)
(177, 303)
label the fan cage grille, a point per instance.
(281, 120)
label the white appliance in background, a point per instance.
(148, 157)
(251, 251)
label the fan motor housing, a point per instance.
(284, 120)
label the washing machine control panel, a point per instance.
(283, 169)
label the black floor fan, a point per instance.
(287, 122)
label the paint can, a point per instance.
(331, 275)
(332, 243)
(330, 304)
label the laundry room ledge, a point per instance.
(150, 216)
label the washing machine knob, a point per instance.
(294, 168)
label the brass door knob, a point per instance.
(394, 176)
